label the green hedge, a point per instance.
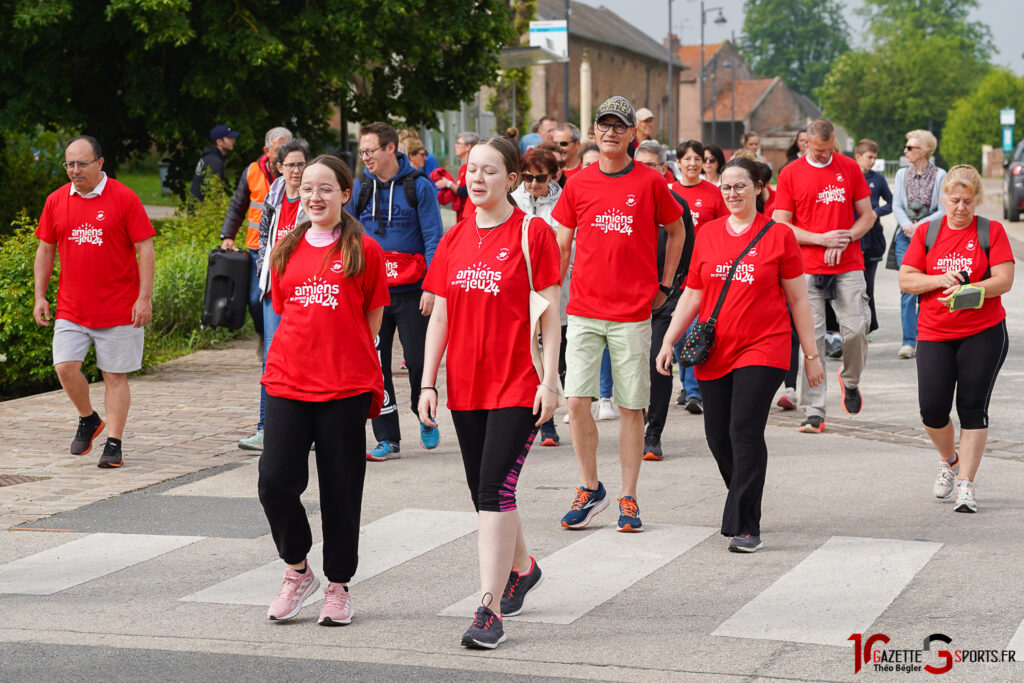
(182, 246)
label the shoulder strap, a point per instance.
(735, 265)
(526, 250)
(409, 185)
(983, 241)
(933, 233)
(364, 194)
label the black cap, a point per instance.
(618, 106)
(221, 131)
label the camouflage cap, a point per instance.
(618, 106)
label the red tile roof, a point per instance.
(748, 94)
(690, 54)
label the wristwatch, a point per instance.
(665, 289)
(810, 356)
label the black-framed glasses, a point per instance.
(910, 148)
(539, 178)
(738, 188)
(605, 126)
(369, 152)
(78, 164)
(296, 166)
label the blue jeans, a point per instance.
(271, 320)
(606, 374)
(908, 302)
(686, 374)
(255, 306)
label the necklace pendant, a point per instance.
(480, 243)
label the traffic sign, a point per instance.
(1007, 117)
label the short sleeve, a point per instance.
(999, 250)
(915, 256)
(545, 257)
(136, 222)
(666, 208)
(565, 208)
(436, 281)
(46, 231)
(375, 282)
(783, 193)
(792, 264)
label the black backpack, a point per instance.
(983, 238)
(408, 184)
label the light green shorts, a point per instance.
(629, 345)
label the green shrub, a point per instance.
(182, 246)
(30, 168)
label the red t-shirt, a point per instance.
(99, 273)
(615, 272)
(570, 172)
(323, 349)
(286, 221)
(957, 250)
(488, 304)
(821, 200)
(705, 202)
(753, 326)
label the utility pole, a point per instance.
(565, 115)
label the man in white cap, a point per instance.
(644, 124)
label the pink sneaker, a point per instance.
(337, 606)
(295, 589)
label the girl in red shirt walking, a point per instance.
(323, 381)
(750, 355)
(496, 398)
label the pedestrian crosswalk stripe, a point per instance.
(594, 569)
(1017, 642)
(82, 560)
(383, 545)
(839, 589)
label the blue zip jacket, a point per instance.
(394, 224)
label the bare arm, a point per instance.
(142, 310)
(42, 270)
(546, 399)
(565, 237)
(914, 281)
(374, 318)
(830, 239)
(865, 218)
(433, 349)
(795, 290)
(686, 309)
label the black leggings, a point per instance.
(494, 445)
(736, 410)
(339, 429)
(402, 314)
(970, 366)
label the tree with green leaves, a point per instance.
(510, 102)
(923, 55)
(796, 40)
(973, 121)
(144, 74)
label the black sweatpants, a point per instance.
(736, 410)
(494, 446)
(661, 385)
(968, 366)
(339, 429)
(404, 315)
(794, 355)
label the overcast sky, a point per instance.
(651, 16)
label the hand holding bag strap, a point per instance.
(732, 271)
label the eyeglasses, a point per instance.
(910, 148)
(369, 152)
(325, 191)
(78, 164)
(605, 126)
(531, 178)
(296, 166)
(651, 164)
(739, 188)
(565, 143)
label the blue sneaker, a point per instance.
(629, 515)
(586, 504)
(385, 450)
(429, 436)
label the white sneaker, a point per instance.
(565, 420)
(945, 479)
(907, 351)
(605, 409)
(965, 496)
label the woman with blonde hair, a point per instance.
(959, 265)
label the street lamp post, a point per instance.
(731, 65)
(720, 19)
(671, 94)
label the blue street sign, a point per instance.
(1007, 139)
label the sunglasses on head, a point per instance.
(539, 178)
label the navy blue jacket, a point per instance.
(873, 241)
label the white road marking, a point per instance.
(594, 569)
(1017, 642)
(839, 589)
(84, 559)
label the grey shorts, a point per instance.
(118, 349)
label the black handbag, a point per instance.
(698, 344)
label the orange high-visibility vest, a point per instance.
(258, 189)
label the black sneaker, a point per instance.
(517, 587)
(111, 457)
(694, 406)
(88, 429)
(852, 399)
(548, 437)
(486, 631)
(814, 424)
(681, 398)
(652, 448)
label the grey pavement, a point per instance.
(694, 612)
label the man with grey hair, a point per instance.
(567, 136)
(824, 198)
(455, 192)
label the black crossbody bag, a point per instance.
(698, 344)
